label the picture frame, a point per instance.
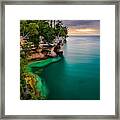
(70, 2)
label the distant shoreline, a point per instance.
(84, 36)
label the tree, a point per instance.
(34, 34)
(54, 23)
(23, 27)
(49, 29)
(51, 23)
(49, 34)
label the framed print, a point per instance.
(60, 59)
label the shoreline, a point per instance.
(40, 82)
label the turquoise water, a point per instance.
(77, 75)
(36, 68)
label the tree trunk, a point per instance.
(51, 23)
(54, 24)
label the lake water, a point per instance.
(77, 75)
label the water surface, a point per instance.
(77, 75)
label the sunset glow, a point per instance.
(83, 27)
(83, 31)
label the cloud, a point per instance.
(82, 23)
(83, 27)
(83, 31)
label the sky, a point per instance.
(83, 27)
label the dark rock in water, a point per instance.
(60, 53)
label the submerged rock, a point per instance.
(40, 83)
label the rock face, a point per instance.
(37, 56)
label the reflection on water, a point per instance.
(77, 76)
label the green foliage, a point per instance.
(23, 63)
(26, 50)
(49, 34)
(33, 29)
(23, 27)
